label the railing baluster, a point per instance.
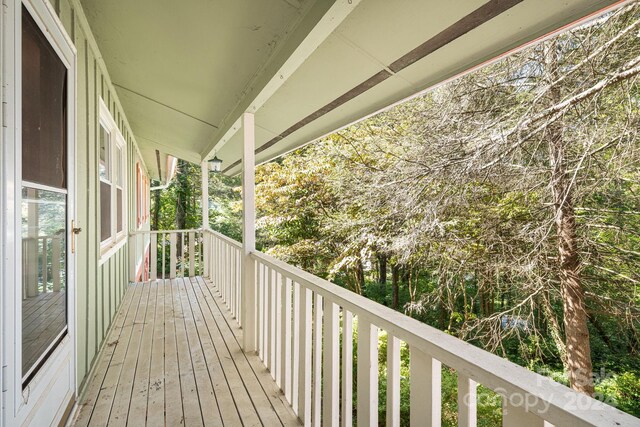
(273, 296)
(317, 360)
(331, 365)
(182, 252)
(225, 272)
(212, 258)
(45, 262)
(153, 262)
(265, 315)
(267, 318)
(260, 317)
(425, 389)
(278, 329)
(56, 250)
(236, 282)
(239, 283)
(232, 282)
(227, 275)
(217, 258)
(172, 255)
(32, 267)
(223, 269)
(162, 253)
(304, 373)
(393, 381)
(192, 254)
(295, 345)
(285, 338)
(467, 401)
(347, 368)
(229, 280)
(368, 373)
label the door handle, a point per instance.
(74, 231)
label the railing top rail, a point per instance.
(554, 402)
(220, 236)
(191, 230)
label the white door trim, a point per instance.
(55, 383)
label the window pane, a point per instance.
(44, 105)
(105, 211)
(105, 154)
(120, 213)
(44, 259)
(119, 161)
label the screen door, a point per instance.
(44, 205)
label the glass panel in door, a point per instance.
(44, 197)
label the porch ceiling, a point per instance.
(185, 71)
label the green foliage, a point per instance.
(623, 391)
(180, 201)
(225, 205)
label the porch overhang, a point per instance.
(187, 71)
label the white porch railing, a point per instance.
(304, 335)
(224, 256)
(38, 267)
(165, 254)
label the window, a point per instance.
(111, 169)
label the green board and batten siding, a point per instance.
(100, 286)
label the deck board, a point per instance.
(173, 357)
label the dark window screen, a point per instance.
(105, 211)
(120, 213)
(44, 105)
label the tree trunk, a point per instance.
(575, 316)
(382, 269)
(395, 285)
(634, 342)
(442, 314)
(360, 275)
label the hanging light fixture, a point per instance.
(215, 164)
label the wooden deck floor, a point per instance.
(173, 358)
(43, 318)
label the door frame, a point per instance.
(49, 392)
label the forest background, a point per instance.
(502, 208)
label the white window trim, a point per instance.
(116, 239)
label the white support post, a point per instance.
(247, 314)
(204, 169)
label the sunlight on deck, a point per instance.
(173, 357)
